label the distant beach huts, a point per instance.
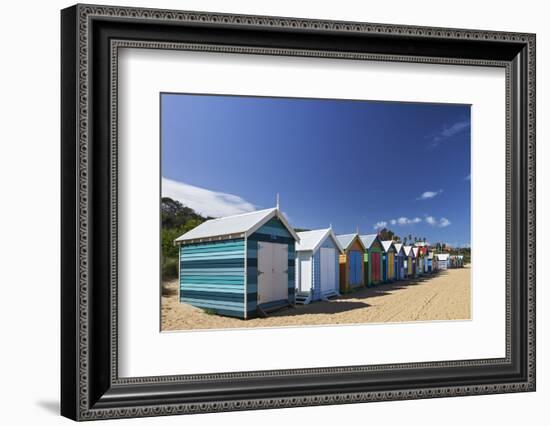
(430, 262)
(399, 261)
(352, 271)
(442, 260)
(417, 262)
(424, 250)
(253, 263)
(373, 258)
(410, 261)
(388, 261)
(240, 265)
(317, 265)
(456, 261)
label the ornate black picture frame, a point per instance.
(91, 36)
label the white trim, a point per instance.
(338, 245)
(351, 242)
(373, 241)
(390, 247)
(328, 232)
(281, 217)
(211, 239)
(260, 223)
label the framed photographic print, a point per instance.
(263, 212)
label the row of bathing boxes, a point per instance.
(250, 264)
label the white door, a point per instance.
(272, 272)
(328, 270)
(305, 274)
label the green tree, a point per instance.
(386, 234)
(176, 220)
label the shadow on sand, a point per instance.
(321, 307)
(355, 300)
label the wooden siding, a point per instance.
(272, 232)
(328, 243)
(346, 277)
(212, 276)
(345, 265)
(355, 268)
(390, 260)
(399, 267)
(375, 247)
(343, 272)
(375, 267)
(355, 246)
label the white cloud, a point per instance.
(402, 221)
(441, 223)
(405, 221)
(448, 132)
(430, 220)
(204, 201)
(429, 194)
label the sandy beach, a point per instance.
(442, 296)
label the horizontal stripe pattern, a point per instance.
(212, 276)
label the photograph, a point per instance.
(264, 209)
(294, 212)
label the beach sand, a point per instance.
(442, 296)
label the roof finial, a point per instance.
(277, 201)
(357, 229)
(330, 225)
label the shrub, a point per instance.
(169, 268)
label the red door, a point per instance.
(375, 267)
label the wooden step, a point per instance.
(303, 298)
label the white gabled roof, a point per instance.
(312, 240)
(346, 239)
(368, 239)
(408, 251)
(398, 247)
(237, 226)
(442, 256)
(387, 245)
(415, 251)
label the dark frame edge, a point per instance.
(69, 272)
(88, 400)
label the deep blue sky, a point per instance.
(349, 163)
